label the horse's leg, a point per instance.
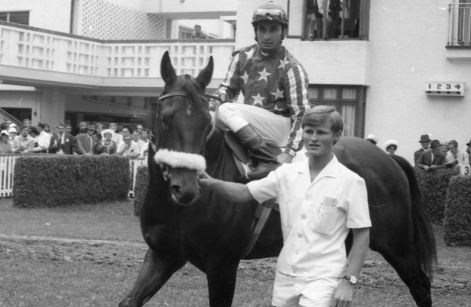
(404, 261)
(155, 271)
(221, 275)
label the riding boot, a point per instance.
(262, 157)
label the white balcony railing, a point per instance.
(459, 30)
(52, 51)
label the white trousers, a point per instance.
(296, 291)
(272, 128)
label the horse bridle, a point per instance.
(180, 93)
(167, 158)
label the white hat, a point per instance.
(12, 129)
(372, 137)
(4, 132)
(107, 131)
(389, 143)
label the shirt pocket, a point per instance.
(329, 217)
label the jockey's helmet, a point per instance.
(270, 11)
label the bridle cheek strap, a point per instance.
(177, 159)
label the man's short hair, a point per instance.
(320, 114)
(454, 143)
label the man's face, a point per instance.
(135, 135)
(125, 131)
(83, 126)
(24, 132)
(319, 140)
(127, 140)
(453, 149)
(437, 151)
(60, 129)
(139, 128)
(68, 129)
(269, 35)
(425, 145)
(90, 131)
(113, 126)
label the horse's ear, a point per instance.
(204, 77)
(166, 69)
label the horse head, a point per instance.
(183, 124)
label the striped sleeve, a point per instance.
(297, 83)
(231, 84)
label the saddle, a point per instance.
(263, 210)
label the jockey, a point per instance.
(274, 87)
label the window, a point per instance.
(329, 19)
(184, 32)
(15, 17)
(348, 100)
(460, 23)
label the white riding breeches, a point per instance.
(272, 128)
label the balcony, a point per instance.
(459, 32)
(32, 56)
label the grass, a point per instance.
(58, 273)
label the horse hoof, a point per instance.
(127, 302)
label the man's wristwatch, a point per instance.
(351, 279)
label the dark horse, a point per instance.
(181, 223)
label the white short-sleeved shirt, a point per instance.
(315, 216)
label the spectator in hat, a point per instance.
(372, 139)
(433, 159)
(106, 146)
(425, 143)
(5, 147)
(86, 142)
(391, 146)
(12, 132)
(23, 143)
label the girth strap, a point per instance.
(261, 216)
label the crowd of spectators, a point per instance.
(433, 154)
(90, 139)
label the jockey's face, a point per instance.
(269, 35)
(319, 140)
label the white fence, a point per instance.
(7, 168)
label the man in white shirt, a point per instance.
(320, 202)
(43, 140)
(128, 148)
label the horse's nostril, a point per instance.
(175, 189)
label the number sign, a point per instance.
(445, 88)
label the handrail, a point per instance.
(8, 116)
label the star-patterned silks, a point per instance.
(264, 74)
(245, 77)
(278, 94)
(258, 100)
(249, 53)
(283, 63)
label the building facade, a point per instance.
(396, 69)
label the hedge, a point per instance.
(433, 187)
(457, 222)
(140, 188)
(58, 180)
